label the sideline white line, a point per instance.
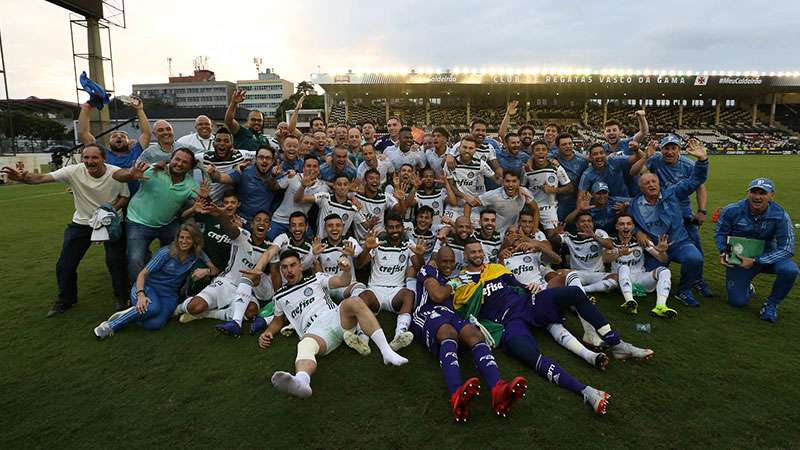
(15, 199)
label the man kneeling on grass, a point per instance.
(323, 325)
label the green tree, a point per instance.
(312, 101)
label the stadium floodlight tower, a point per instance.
(97, 17)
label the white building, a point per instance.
(200, 90)
(266, 93)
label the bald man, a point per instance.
(161, 150)
(202, 140)
(657, 212)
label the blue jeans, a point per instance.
(691, 260)
(77, 240)
(737, 281)
(139, 239)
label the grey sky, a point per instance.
(295, 37)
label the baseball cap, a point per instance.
(670, 139)
(599, 186)
(762, 183)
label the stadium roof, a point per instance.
(616, 83)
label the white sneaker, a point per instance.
(596, 398)
(402, 340)
(288, 330)
(352, 340)
(624, 350)
(186, 318)
(103, 330)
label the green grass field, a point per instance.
(720, 377)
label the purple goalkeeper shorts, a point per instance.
(426, 323)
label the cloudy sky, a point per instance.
(295, 37)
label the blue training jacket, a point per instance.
(774, 227)
(668, 208)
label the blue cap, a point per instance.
(670, 139)
(599, 186)
(762, 183)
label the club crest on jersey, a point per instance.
(594, 247)
(435, 204)
(527, 259)
(402, 258)
(344, 216)
(377, 210)
(471, 174)
(308, 291)
(637, 254)
(551, 179)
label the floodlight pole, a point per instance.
(101, 120)
(11, 136)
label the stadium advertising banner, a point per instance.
(594, 80)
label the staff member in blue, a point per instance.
(758, 217)
(154, 295)
(657, 212)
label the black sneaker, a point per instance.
(57, 308)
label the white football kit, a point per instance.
(535, 180)
(388, 275)
(310, 310)
(586, 256)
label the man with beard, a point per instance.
(322, 325)
(758, 217)
(251, 136)
(331, 203)
(295, 239)
(585, 254)
(466, 178)
(612, 133)
(437, 326)
(511, 155)
(393, 262)
(671, 167)
(92, 185)
(546, 180)
(434, 157)
(420, 230)
(224, 158)
(431, 196)
(505, 301)
(627, 261)
(507, 201)
(485, 150)
(658, 212)
(372, 204)
(155, 210)
(292, 182)
(232, 295)
(574, 164)
(455, 238)
(371, 161)
(611, 170)
(403, 153)
(120, 152)
(488, 236)
(255, 185)
(202, 140)
(332, 248)
(393, 125)
(161, 150)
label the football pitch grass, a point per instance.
(720, 377)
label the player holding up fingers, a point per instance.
(322, 325)
(627, 261)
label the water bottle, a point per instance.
(643, 327)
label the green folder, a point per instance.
(741, 246)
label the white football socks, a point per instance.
(389, 355)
